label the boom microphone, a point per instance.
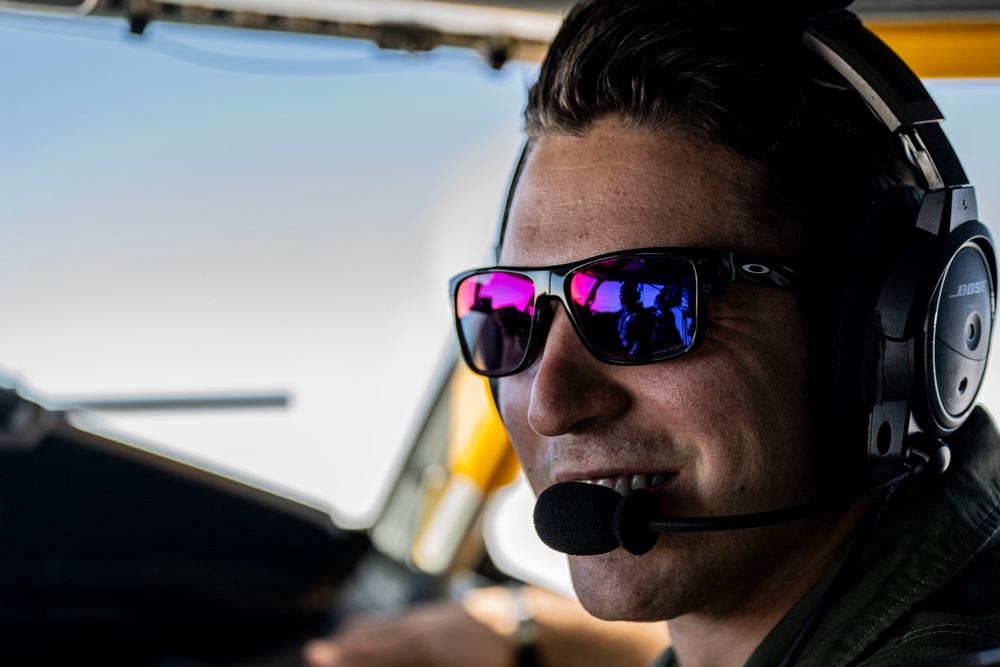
(584, 519)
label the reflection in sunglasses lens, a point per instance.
(495, 311)
(636, 308)
(630, 309)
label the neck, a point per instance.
(728, 633)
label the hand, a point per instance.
(480, 631)
(431, 634)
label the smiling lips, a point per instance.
(624, 484)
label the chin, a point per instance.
(619, 586)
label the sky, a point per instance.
(215, 210)
(202, 209)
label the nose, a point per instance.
(570, 389)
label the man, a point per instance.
(712, 132)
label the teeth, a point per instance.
(624, 484)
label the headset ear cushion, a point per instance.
(847, 338)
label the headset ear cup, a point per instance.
(954, 347)
(847, 332)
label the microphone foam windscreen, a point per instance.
(577, 518)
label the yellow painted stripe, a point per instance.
(934, 50)
(944, 49)
(478, 444)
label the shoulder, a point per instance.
(928, 587)
(961, 617)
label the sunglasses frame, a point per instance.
(711, 268)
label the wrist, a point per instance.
(509, 611)
(525, 636)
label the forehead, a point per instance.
(614, 189)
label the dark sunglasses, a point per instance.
(628, 307)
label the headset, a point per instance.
(934, 312)
(930, 314)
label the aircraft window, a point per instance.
(200, 210)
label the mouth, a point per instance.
(624, 484)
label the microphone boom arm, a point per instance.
(783, 515)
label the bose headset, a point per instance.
(934, 311)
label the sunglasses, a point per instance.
(629, 307)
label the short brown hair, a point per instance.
(816, 151)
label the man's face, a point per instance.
(728, 425)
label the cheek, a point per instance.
(762, 408)
(740, 412)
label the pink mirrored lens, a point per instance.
(495, 311)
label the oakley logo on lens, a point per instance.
(968, 289)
